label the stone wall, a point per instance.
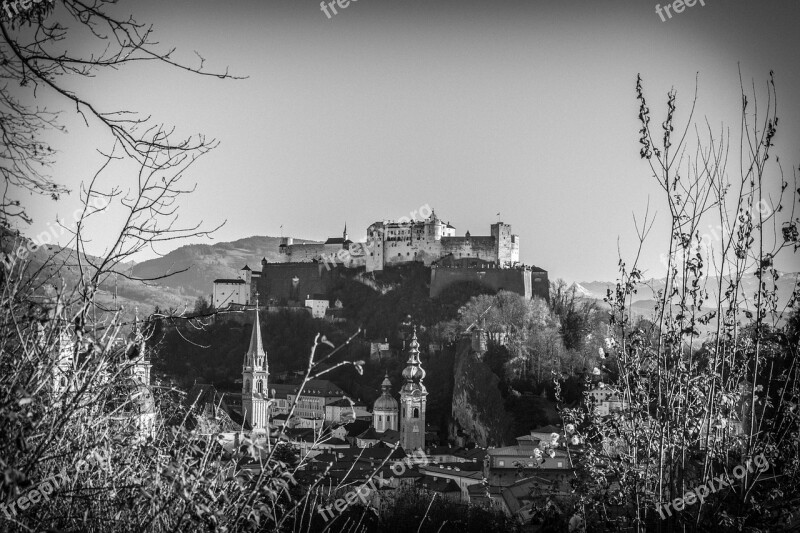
(483, 248)
(294, 281)
(516, 280)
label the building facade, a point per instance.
(233, 291)
(429, 240)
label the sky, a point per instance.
(523, 108)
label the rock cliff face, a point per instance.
(478, 408)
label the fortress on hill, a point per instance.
(309, 269)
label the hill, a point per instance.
(203, 263)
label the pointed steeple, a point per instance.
(256, 357)
(344, 233)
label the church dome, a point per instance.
(386, 402)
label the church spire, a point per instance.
(344, 233)
(255, 378)
(256, 357)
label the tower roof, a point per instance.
(256, 356)
(385, 402)
(413, 372)
(246, 267)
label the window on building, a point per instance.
(560, 464)
(260, 386)
(501, 463)
(247, 385)
(416, 412)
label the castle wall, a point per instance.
(306, 252)
(374, 259)
(514, 249)
(294, 281)
(475, 247)
(425, 242)
(524, 282)
(540, 285)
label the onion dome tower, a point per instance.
(413, 400)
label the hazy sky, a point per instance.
(526, 108)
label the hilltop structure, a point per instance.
(310, 252)
(310, 269)
(427, 241)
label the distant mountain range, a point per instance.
(644, 300)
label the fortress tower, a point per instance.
(506, 245)
(413, 400)
(255, 377)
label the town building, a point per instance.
(312, 402)
(605, 400)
